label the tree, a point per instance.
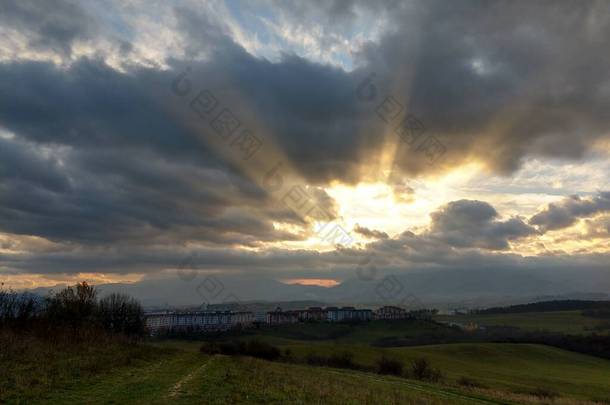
(121, 314)
(17, 309)
(73, 305)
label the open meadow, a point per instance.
(106, 370)
(572, 322)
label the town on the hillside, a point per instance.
(214, 321)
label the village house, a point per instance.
(389, 312)
(348, 314)
(278, 317)
(208, 321)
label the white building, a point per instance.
(197, 321)
(347, 314)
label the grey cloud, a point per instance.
(370, 233)
(49, 25)
(499, 81)
(568, 211)
(22, 162)
(488, 82)
(467, 223)
(496, 82)
(129, 161)
(427, 264)
(598, 227)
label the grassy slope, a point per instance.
(30, 367)
(515, 367)
(149, 374)
(182, 375)
(571, 322)
(191, 378)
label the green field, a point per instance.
(570, 322)
(175, 371)
(518, 368)
(191, 378)
(185, 376)
(364, 333)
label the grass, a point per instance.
(31, 366)
(569, 322)
(189, 378)
(112, 371)
(358, 333)
(518, 368)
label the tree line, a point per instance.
(545, 306)
(74, 307)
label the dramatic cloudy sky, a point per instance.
(143, 138)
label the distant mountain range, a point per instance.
(442, 289)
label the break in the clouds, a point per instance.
(104, 168)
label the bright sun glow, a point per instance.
(382, 207)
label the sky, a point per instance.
(292, 140)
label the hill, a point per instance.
(546, 306)
(501, 373)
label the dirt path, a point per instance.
(151, 383)
(177, 388)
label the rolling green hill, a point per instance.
(519, 368)
(175, 371)
(507, 372)
(571, 322)
(190, 378)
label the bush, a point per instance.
(121, 314)
(342, 360)
(421, 369)
(210, 348)
(229, 348)
(469, 382)
(253, 348)
(316, 360)
(262, 350)
(18, 309)
(75, 310)
(73, 305)
(389, 366)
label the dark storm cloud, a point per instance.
(501, 80)
(493, 81)
(49, 25)
(467, 223)
(114, 196)
(98, 159)
(402, 254)
(22, 163)
(496, 81)
(568, 211)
